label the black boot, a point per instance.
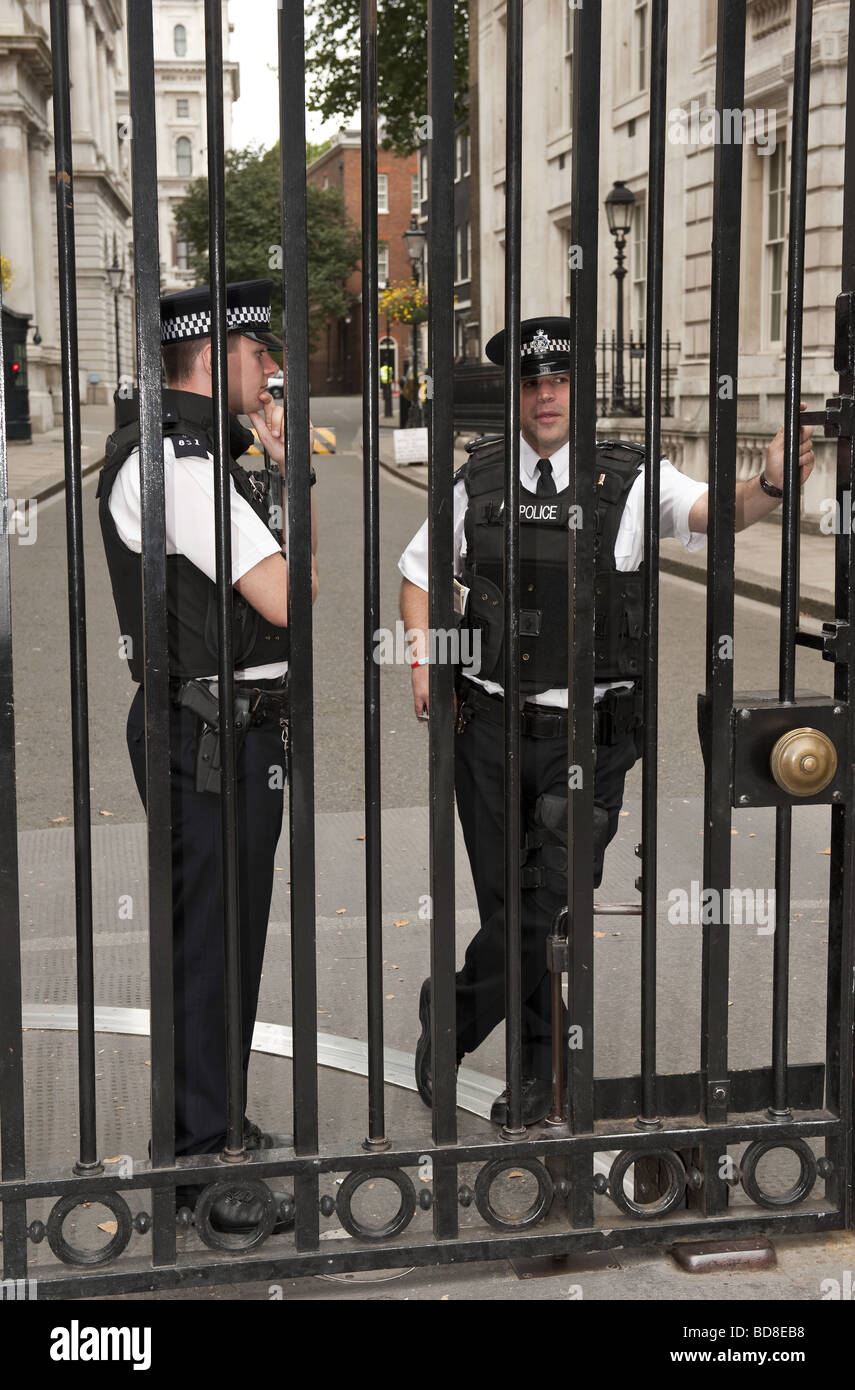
(536, 1100)
(424, 1084)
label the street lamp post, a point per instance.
(619, 208)
(116, 274)
(414, 240)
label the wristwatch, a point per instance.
(769, 488)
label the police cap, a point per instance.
(544, 347)
(187, 314)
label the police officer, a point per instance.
(479, 744)
(260, 606)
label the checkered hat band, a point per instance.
(541, 348)
(199, 325)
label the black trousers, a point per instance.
(479, 787)
(197, 911)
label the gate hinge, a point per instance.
(844, 333)
(835, 641)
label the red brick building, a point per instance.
(336, 365)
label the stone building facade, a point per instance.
(547, 172)
(182, 133)
(101, 152)
(27, 199)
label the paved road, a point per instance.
(40, 633)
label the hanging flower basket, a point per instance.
(404, 304)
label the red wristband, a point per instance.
(422, 661)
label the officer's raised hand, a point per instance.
(269, 424)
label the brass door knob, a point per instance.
(803, 762)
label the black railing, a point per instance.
(680, 1125)
(624, 393)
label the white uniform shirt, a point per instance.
(677, 494)
(190, 531)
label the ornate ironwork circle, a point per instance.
(397, 1223)
(801, 1187)
(249, 1239)
(667, 1201)
(533, 1214)
(91, 1259)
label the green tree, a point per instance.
(314, 151)
(253, 233)
(333, 64)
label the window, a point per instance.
(382, 263)
(182, 106)
(463, 251)
(182, 255)
(183, 156)
(415, 194)
(461, 168)
(179, 40)
(776, 200)
(640, 46)
(638, 268)
(382, 192)
(569, 11)
(424, 168)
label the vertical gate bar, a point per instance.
(371, 533)
(789, 618)
(223, 547)
(12, 1154)
(511, 582)
(724, 350)
(156, 661)
(652, 442)
(840, 1018)
(441, 614)
(587, 31)
(88, 1160)
(292, 85)
(790, 538)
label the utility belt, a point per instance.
(617, 715)
(261, 702)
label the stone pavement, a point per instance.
(804, 1263)
(758, 550)
(37, 469)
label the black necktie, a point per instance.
(545, 483)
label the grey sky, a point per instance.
(255, 116)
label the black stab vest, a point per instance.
(191, 597)
(544, 591)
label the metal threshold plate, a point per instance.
(718, 1256)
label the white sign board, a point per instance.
(411, 446)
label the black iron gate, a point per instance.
(676, 1129)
